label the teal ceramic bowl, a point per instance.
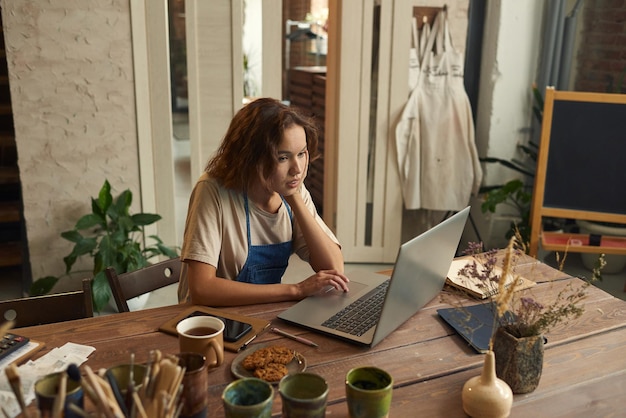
(248, 398)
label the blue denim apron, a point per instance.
(267, 263)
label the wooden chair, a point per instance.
(46, 309)
(135, 283)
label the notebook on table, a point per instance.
(418, 276)
(474, 323)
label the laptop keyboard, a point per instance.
(362, 314)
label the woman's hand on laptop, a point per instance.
(323, 280)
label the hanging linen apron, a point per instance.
(266, 263)
(441, 169)
(414, 56)
(407, 130)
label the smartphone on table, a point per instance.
(233, 329)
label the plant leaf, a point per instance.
(101, 291)
(502, 194)
(69, 261)
(120, 208)
(123, 202)
(126, 224)
(42, 286)
(104, 197)
(72, 235)
(89, 221)
(170, 252)
(143, 219)
(136, 262)
(156, 238)
(95, 209)
(84, 246)
(106, 255)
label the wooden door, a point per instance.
(366, 90)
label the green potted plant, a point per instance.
(517, 193)
(111, 236)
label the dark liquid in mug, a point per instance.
(198, 331)
(367, 385)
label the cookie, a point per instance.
(271, 372)
(279, 354)
(263, 356)
(259, 358)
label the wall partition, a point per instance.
(367, 88)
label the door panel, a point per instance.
(367, 199)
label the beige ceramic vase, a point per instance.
(486, 396)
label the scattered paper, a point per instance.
(56, 360)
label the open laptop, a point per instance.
(418, 276)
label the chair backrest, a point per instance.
(46, 309)
(134, 283)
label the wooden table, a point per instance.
(584, 372)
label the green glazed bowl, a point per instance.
(368, 391)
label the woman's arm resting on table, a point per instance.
(205, 288)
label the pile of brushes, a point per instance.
(159, 395)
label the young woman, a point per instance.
(250, 210)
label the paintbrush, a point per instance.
(16, 385)
(5, 327)
(130, 388)
(102, 401)
(59, 400)
(117, 393)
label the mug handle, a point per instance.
(219, 353)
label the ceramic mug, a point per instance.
(122, 374)
(304, 395)
(195, 395)
(203, 335)
(368, 391)
(46, 390)
(248, 398)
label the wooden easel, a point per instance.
(581, 169)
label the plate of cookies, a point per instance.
(268, 362)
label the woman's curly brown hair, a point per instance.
(249, 149)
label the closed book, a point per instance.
(474, 323)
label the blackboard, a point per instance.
(581, 165)
(586, 168)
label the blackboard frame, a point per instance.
(578, 158)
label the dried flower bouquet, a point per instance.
(519, 312)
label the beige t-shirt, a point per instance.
(216, 233)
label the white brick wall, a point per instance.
(71, 76)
